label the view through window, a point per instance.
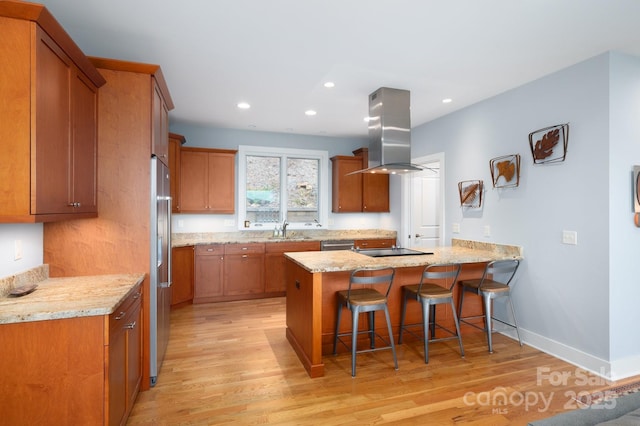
(279, 185)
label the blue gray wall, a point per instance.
(572, 301)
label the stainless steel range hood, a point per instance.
(390, 132)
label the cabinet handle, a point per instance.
(209, 249)
(130, 326)
(137, 295)
(245, 248)
(74, 204)
(121, 315)
(298, 284)
(244, 256)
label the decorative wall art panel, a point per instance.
(549, 145)
(505, 171)
(470, 193)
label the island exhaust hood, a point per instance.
(390, 132)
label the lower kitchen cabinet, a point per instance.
(244, 270)
(275, 263)
(83, 370)
(208, 276)
(182, 271)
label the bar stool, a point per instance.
(362, 297)
(430, 294)
(490, 288)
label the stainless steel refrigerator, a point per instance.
(160, 275)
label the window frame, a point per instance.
(284, 154)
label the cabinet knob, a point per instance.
(120, 315)
(137, 295)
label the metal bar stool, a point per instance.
(430, 294)
(362, 297)
(490, 287)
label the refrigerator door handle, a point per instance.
(168, 283)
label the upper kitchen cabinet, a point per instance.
(160, 134)
(48, 119)
(207, 180)
(360, 192)
(175, 150)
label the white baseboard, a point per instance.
(613, 371)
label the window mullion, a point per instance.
(284, 190)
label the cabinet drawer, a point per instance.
(292, 246)
(210, 250)
(244, 248)
(375, 243)
(122, 312)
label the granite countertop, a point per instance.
(56, 298)
(461, 251)
(245, 237)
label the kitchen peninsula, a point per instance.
(312, 279)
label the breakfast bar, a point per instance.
(313, 278)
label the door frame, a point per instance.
(405, 227)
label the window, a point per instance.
(277, 184)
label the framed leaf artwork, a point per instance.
(636, 189)
(470, 193)
(549, 145)
(505, 171)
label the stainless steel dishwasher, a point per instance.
(337, 245)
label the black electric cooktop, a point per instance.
(392, 252)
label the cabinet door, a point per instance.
(84, 144)
(182, 260)
(51, 162)
(222, 182)
(133, 326)
(194, 185)
(346, 189)
(244, 274)
(375, 193)
(209, 268)
(175, 145)
(160, 136)
(117, 367)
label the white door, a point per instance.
(426, 207)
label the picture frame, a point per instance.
(505, 171)
(470, 192)
(546, 148)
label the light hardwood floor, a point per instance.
(230, 363)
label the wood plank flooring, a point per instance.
(230, 363)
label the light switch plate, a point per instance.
(487, 231)
(17, 245)
(570, 237)
(455, 228)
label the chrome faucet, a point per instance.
(284, 228)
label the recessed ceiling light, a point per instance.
(329, 84)
(310, 112)
(243, 105)
(447, 100)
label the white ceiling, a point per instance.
(276, 54)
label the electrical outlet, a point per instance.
(17, 245)
(455, 228)
(570, 237)
(229, 222)
(487, 231)
(180, 223)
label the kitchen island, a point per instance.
(312, 279)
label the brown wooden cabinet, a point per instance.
(175, 149)
(125, 358)
(74, 247)
(48, 116)
(182, 270)
(274, 263)
(209, 269)
(360, 192)
(374, 243)
(83, 370)
(207, 180)
(160, 128)
(244, 269)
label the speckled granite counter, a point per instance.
(191, 239)
(461, 251)
(57, 298)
